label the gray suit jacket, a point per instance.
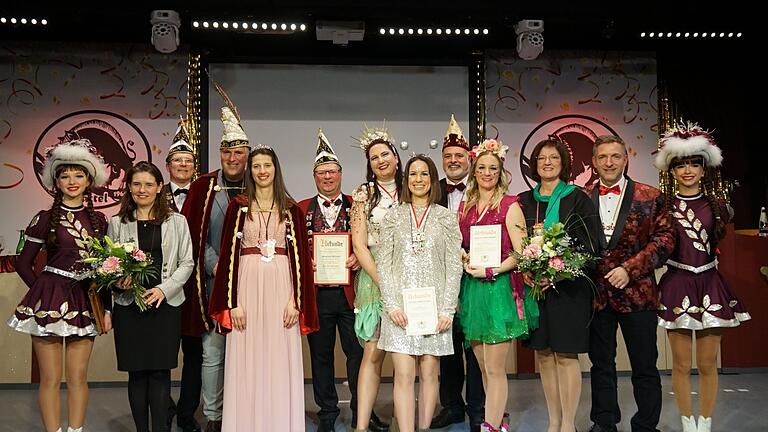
(212, 246)
(177, 255)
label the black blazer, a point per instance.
(443, 194)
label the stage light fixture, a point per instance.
(165, 30)
(530, 40)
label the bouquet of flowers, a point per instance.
(111, 261)
(550, 253)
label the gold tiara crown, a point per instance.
(371, 135)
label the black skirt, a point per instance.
(147, 340)
(565, 314)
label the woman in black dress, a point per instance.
(147, 343)
(566, 309)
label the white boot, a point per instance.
(71, 429)
(705, 424)
(58, 430)
(689, 424)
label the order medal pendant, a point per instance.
(267, 249)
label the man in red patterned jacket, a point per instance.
(638, 238)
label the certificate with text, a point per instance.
(330, 251)
(420, 307)
(485, 245)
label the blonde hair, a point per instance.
(473, 192)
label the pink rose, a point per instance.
(492, 145)
(110, 265)
(557, 263)
(532, 251)
(139, 255)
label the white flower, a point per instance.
(129, 247)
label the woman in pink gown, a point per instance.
(263, 289)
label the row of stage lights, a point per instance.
(244, 26)
(689, 34)
(458, 32)
(23, 21)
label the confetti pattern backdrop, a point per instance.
(577, 96)
(125, 98)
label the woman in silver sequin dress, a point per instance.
(420, 247)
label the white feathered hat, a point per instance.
(687, 139)
(78, 152)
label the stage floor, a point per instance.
(741, 406)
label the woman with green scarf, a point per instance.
(566, 308)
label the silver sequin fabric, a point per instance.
(437, 264)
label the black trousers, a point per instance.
(191, 379)
(639, 331)
(149, 391)
(334, 312)
(452, 378)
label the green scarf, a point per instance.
(552, 214)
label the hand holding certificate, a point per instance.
(330, 252)
(420, 307)
(485, 246)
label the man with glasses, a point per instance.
(180, 163)
(329, 211)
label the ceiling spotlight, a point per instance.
(677, 34)
(3, 20)
(205, 24)
(23, 20)
(419, 31)
(696, 34)
(235, 25)
(722, 34)
(400, 31)
(410, 31)
(530, 40)
(273, 26)
(485, 31)
(466, 31)
(45, 22)
(447, 31)
(429, 31)
(13, 20)
(302, 27)
(476, 31)
(439, 31)
(165, 30)
(283, 27)
(738, 34)
(391, 31)
(215, 24)
(382, 31)
(293, 27)
(264, 26)
(642, 34)
(687, 34)
(225, 25)
(196, 24)
(730, 34)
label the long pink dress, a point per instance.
(263, 373)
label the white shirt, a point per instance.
(330, 213)
(180, 198)
(610, 205)
(455, 197)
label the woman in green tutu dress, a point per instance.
(494, 307)
(371, 201)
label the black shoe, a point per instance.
(213, 426)
(188, 425)
(171, 414)
(474, 424)
(326, 425)
(446, 418)
(376, 425)
(597, 428)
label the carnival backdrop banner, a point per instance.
(125, 99)
(578, 97)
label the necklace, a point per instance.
(418, 236)
(266, 246)
(392, 196)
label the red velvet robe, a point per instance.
(197, 210)
(224, 296)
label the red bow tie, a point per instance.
(606, 190)
(449, 188)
